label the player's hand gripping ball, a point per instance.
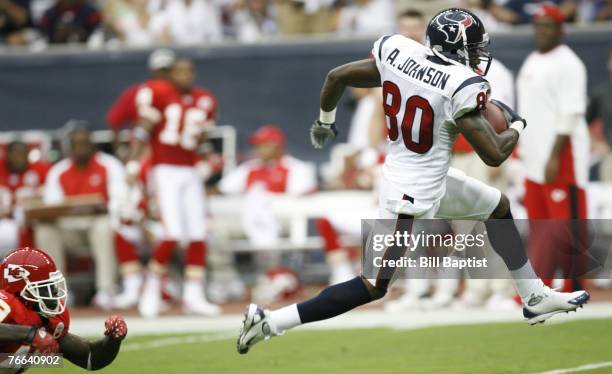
(321, 132)
(501, 116)
(116, 328)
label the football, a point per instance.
(496, 117)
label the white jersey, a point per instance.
(422, 97)
(552, 85)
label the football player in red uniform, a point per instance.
(174, 118)
(20, 180)
(124, 113)
(34, 316)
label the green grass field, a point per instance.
(484, 348)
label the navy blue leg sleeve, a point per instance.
(506, 241)
(335, 300)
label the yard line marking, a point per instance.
(178, 340)
(579, 368)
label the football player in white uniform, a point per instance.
(430, 94)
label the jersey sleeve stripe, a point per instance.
(469, 81)
(382, 41)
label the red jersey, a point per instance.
(103, 175)
(285, 175)
(14, 311)
(273, 175)
(180, 120)
(15, 187)
(124, 112)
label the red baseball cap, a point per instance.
(550, 11)
(268, 134)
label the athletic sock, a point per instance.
(335, 300)
(526, 281)
(285, 318)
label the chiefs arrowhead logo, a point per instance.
(452, 27)
(15, 273)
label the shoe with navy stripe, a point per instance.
(540, 307)
(255, 328)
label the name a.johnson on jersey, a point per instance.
(413, 69)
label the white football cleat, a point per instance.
(200, 306)
(542, 306)
(256, 327)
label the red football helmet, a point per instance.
(31, 273)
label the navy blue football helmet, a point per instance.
(459, 35)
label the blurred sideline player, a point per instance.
(137, 226)
(85, 172)
(174, 118)
(552, 92)
(124, 113)
(34, 316)
(20, 180)
(271, 173)
(421, 152)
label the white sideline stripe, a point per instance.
(578, 368)
(179, 340)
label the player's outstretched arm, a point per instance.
(99, 354)
(491, 147)
(362, 73)
(41, 340)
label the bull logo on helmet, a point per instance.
(15, 273)
(451, 27)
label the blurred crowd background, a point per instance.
(280, 215)
(142, 23)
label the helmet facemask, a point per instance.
(475, 56)
(479, 56)
(49, 294)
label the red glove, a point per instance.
(116, 328)
(44, 342)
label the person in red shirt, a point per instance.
(20, 180)
(271, 167)
(86, 172)
(124, 112)
(34, 316)
(174, 118)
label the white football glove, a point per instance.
(321, 132)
